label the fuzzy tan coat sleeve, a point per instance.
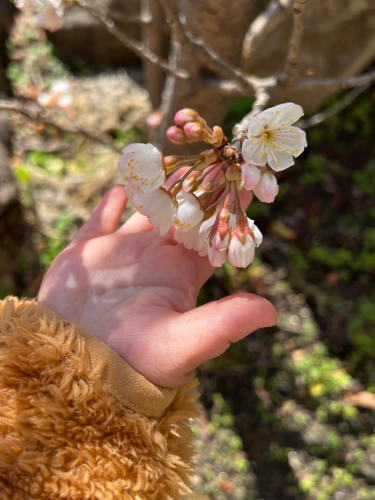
(77, 423)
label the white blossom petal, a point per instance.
(187, 238)
(292, 140)
(217, 259)
(253, 151)
(251, 175)
(189, 213)
(256, 126)
(143, 167)
(257, 234)
(192, 239)
(285, 114)
(218, 243)
(267, 188)
(158, 207)
(279, 160)
(207, 224)
(129, 191)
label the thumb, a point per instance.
(208, 331)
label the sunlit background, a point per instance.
(289, 411)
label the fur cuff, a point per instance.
(65, 435)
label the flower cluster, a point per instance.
(49, 12)
(200, 196)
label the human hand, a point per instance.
(137, 291)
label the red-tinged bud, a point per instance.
(170, 161)
(184, 116)
(195, 131)
(220, 232)
(191, 180)
(176, 135)
(218, 137)
(233, 172)
(224, 215)
(175, 190)
(205, 188)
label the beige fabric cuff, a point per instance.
(128, 388)
(126, 385)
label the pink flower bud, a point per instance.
(195, 131)
(267, 188)
(220, 232)
(176, 135)
(184, 116)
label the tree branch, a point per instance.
(290, 76)
(151, 38)
(334, 110)
(207, 54)
(340, 83)
(261, 28)
(131, 43)
(34, 112)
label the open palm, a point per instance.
(137, 291)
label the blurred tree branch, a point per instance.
(334, 110)
(37, 113)
(150, 11)
(198, 66)
(290, 76)
(261, 28)
(143, 52)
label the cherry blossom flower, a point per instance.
(204, 202)
(189, 213)
(272, 139)
(267, 188)
(158, 207)
(143, 167)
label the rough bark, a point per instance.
(7, 11)
(82, 37)
(8, 188)
(338, 41)
(223, 28)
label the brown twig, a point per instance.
(128, 41)
(290, 76)
(34, 112)
(206, 53)
(151, 38)
(341, 83)
(262, 27)
(121, 18)
(334, 110)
